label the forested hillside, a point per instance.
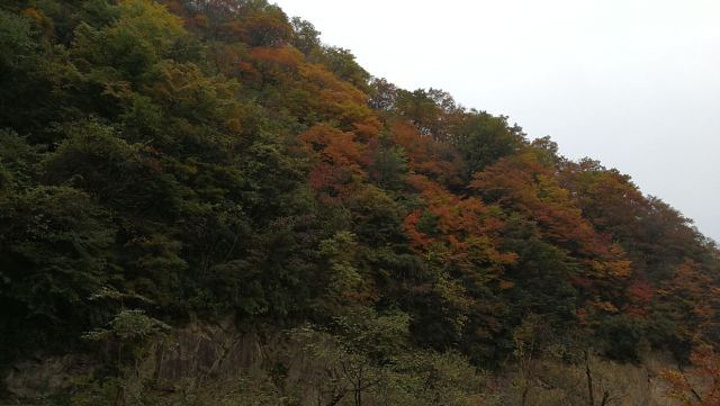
(169, 166)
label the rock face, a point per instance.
(33, 379)
(190, 357)
(217, 351)
(207, 362)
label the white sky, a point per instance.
(633, 83)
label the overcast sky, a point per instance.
(632, 83)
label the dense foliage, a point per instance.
(162, 162)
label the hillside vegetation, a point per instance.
(170, 167)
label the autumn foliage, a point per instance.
(213, 159)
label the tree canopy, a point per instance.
(213, 158)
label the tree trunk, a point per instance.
(588, 374)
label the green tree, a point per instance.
(55, 250)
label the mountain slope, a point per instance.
(168, 163)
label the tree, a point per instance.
(128, 177)
(484, 139)
(699, 386)
(55, 250)
(306, 38)
(142, 35)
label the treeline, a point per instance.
(174, 161)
